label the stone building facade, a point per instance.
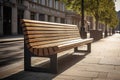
(11, 11)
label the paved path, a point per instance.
(103, 63)
(11, 52)
(11, 38)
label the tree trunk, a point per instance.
(96, 23)
(82, 30)
(113, 31)
(97, 16)
(106, 34)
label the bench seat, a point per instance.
(46, 39)
(51, 49)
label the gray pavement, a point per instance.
(103, 63)
(11, 38)
(10, 52)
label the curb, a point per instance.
(11, 40)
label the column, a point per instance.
(37, 16)
(52, 19)
(1, 21)
(27, 12)
(59, 20)
(46, 17)
(14, 20)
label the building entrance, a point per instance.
(7, 13)
(20, 16)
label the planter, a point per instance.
(96, 34)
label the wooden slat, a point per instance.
(51, 50)
(48, 25)
(47, 29)
(45, 51)
(49, 42)
(43, 22)
(54, 44)
(46, 38)
(50, 32)
(35, 51)
(40, 51)
(74, 44)
(50, 35)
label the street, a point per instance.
(11, 52)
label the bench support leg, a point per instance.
(53, 63)
(27, 60)
(88, 49)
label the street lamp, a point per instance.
(82, 30)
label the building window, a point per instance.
(43, 2)
(49, 18)
(42, 17)
(0, 11)
(6, 0)
(38, 1)
(46, 2)
(20, 1)
(56, 19)
(20, 16)
(56, 5)
(62, 20)
(50, 3)
(33, 15)
(34, 0)
(63, 6)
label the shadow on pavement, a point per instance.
(64, 63)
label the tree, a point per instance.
(74, 6)
(95, 8)
(109, 15)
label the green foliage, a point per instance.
(109, 15)
(101, 10)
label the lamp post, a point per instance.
(82, 30)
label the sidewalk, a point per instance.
(11, 38)
(103, 63)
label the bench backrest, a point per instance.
(39, 33)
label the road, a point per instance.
(11, 52)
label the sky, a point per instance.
(117, 5)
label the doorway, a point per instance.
(7, 13)
(20, 16)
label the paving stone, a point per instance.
(91, 60)
(96, 67)
(112, 61)
(103, 79)
(117, 68)
(75, 72)
(69, 77)
(102, 75)
(99, 79)
(114, 76)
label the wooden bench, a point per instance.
(46, 39)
